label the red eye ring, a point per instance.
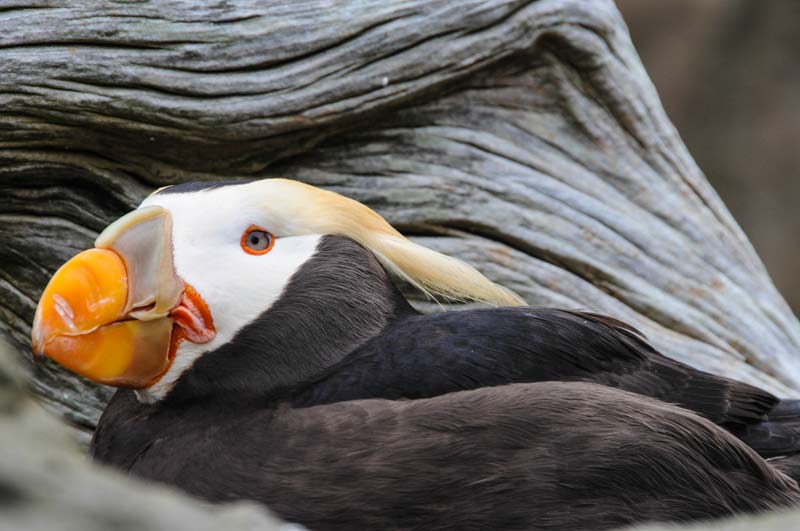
(257, 241)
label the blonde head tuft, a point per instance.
(305, 209)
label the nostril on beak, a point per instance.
(146, 312)
(144, 308)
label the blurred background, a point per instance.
(728, 74)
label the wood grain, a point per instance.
(523, 136)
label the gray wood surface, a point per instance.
(523, 136)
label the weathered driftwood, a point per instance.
(521, 135)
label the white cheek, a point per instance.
(236, 286)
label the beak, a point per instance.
(110, 313)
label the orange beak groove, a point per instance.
(107, 314)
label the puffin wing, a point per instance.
(722, 400)
(430, 355)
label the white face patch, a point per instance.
(207, 229)
(237, 286)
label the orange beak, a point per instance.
(110, 313)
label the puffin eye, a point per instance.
(256, 240)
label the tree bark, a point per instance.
(523, 136)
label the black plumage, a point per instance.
(545, 456)
(427, 355)
(342, 331)
(275, 415)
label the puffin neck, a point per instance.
(334, 303)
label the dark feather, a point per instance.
(197, 186)
(424, 356)
(548, 456)
(342, 331)
(507, 456)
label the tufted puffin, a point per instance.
(237, 313)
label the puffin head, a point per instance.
(199, 274)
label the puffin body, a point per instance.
(388, 350)
(545, 456)
(257, 334)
